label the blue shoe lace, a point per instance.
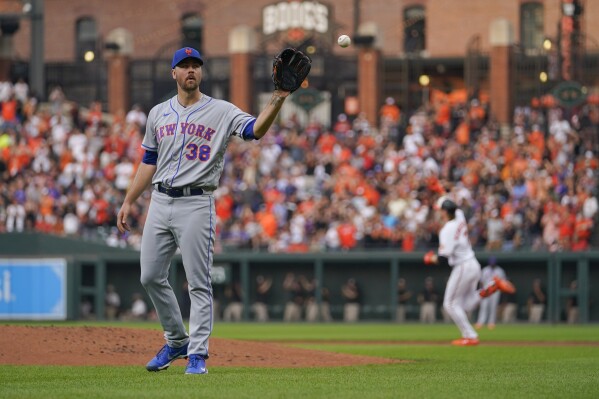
(162, 350)
(193, 361)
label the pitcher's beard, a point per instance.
(190, 85)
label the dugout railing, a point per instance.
(377, 274)
(90, 267)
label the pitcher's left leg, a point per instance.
(196, 230)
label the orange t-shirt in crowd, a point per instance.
(390, 112)
(443, 114)
(537, 139)
(367, 141)
(566, 226)
(477, 112)
(347, 235)
(509, 155)
(520, 166)
(224, 207)
(326, 142)
(408, 243)
(101, 206)
(46, 205)
(271, 196)
(506, 209)
(583, 228)
(462, 134)
(268, 221)
(9, 111)
(372, 195)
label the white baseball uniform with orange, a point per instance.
(461, 294)
(190, 143)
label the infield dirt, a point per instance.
(109, 346)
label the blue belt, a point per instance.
(179, 192)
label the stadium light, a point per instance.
(89, 56)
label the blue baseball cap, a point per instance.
(184, 53)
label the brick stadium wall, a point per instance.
(154, 23)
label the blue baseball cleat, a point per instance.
(165, 357)
(196, 365)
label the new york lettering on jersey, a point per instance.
(191, 129)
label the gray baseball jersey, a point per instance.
(191, 142)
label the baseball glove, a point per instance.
(289, 69)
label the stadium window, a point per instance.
(192, 28)
(414, 22)
(86, 36)
(531, 26)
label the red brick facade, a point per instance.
(450, 24)
(153, 24)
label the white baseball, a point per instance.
(344, 41)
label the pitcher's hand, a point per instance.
(121, 219)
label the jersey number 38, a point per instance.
(194, 152)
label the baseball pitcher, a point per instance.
(461, 295)
(185, 142)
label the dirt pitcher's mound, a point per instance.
(97, 346)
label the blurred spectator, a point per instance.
(86, 309)
(138, 310)
(234, 297)
(314, 312)
(260, 306)
(495, 231)
(403, 296)
(508, 308)
(57, 99)
(428, 299)
(113, 302)
(389, 114)
(353, 297)
(137, 116)
(530, 187)
(295, 298)
(536, 302)
(21, 90)
(572, 304)
(8, 111)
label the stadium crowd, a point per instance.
(532, 185)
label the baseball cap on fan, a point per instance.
(185, 53)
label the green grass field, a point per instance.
(514, 361)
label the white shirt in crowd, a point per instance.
(139, 308)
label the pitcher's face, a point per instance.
(188, 74)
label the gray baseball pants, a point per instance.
(188, 223)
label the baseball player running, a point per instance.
(487, 312)
(185, 142)
(461, 295)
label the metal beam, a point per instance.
(37, 80)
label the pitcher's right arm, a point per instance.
(142, 180)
